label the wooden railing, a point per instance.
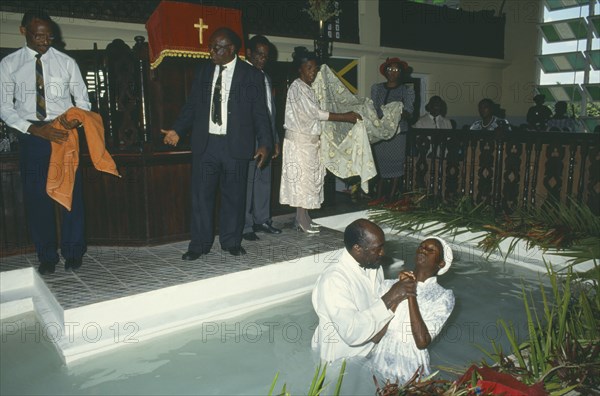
(508, 170)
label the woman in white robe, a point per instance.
(402, 351)
(303, 172)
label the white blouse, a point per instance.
(302, 112)
(397, 357)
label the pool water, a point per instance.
(242, 355)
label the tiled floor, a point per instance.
(110, 272)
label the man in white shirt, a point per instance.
(37, 83)
(434, 119)
(352, 315)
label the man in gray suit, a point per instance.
(258, 195)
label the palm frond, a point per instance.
(571, 230)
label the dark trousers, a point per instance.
(258, 196)
(216, 168)
(40, 209)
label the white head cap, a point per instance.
(448, 256)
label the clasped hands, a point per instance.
(401, 290)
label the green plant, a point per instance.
(562, 348)
(321, 10)
(571, 228)
(318, 385)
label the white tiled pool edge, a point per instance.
(97, 328)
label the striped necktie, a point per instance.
(216, 113)
(40, 102)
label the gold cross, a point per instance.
(200, 26)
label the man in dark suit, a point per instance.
(227, 113)
(258, 196)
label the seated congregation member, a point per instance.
(353, 316)
(538, 115)
(435, 118)
(560, 121)
(420, 318)
(489, 121)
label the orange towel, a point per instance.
(64, 158)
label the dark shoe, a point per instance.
(250, 236)
(266, 227)
(73, 263)
(236, 251)
(190, 256)
(46, 268)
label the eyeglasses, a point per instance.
(392, 69)
(40, 36)
(217, 47)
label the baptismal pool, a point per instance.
(242, 356)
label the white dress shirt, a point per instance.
(428, 121)
(350, 309)
(226, 78)
(62, 79)
(267, 88)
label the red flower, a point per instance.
(495, 383)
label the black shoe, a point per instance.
(46, 268)
(250, 236)
(236, 251)
(73, 263)
(266, 227)
(191, 256)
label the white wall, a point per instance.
(78, 34)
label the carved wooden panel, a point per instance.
(553, 170)
(511, 179)
(510, 171)
(121, 105)
(485, 171)
(593, 181)
(14, 236)
(454, 156)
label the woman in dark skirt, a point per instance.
(390, 154)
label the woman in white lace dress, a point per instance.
(303, 172)
(419, 319)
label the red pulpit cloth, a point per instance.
(183, 29)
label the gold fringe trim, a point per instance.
(177, 53)
(181, 54)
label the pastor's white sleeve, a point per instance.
(354, 326)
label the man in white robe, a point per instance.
(352, 315)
